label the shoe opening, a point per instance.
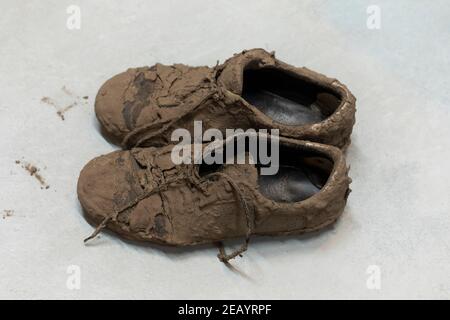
(301, 175)
(301, 172)
(286, 98)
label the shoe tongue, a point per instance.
(246, 173)
(240, 169)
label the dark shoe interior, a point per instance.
(301, 174)
(288, 99)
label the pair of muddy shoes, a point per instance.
(142, 193)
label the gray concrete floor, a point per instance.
(396, 225)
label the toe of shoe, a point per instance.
(102, 185)
(108, 185)
(109, 104)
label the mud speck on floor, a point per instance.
(7, 213)
(67, 91)
(68, 94)
(61, 112)
(48, 101)
(34, 172)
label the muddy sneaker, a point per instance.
(143, 106)
(142, 195)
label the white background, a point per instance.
(398, 213)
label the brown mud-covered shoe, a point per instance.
(142, 106)
(142, 195)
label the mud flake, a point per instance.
(49, 101)
(7, 213)
(34, 172)
(67, 91)
(60, 111)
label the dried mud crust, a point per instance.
(125, 187)
(143, 96)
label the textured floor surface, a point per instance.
(395, 228)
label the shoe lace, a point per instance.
(138, 136)
(249, 216)
(189, 173)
